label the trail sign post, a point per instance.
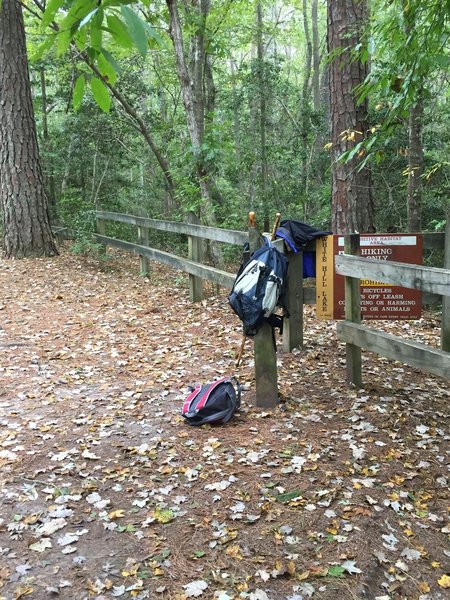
(378, 300)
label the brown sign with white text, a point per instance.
(378, 300)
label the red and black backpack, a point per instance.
(213, 403)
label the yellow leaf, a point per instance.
(409, 532)
(116, 514)
(398, 479)
(234, 551)
(444, 582)
(158, 571)
(31, 519)
(303, 576)
(21, 591)
(108, 584)
(435, 564)
(424, 587)
(130, 572)
(357, 485)
(163, 515)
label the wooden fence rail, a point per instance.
(428, 279)
(357, 336)
(264, 349)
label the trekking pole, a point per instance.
(275, 227)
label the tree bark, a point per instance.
(415, 149)
(315, 55)
(415, 168)
(352, 205)
(49, 179)
(26, 222)
(262, 115)
(193, 99)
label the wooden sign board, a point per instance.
(378, 300)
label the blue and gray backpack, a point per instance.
(259, 288)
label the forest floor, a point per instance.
(106, 493)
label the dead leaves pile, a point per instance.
(106, 493)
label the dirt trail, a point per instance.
(106, 493)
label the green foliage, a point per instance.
(99, 158)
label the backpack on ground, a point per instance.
(259, 288)
(213, 403)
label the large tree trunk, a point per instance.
(315, 55)
(262, 115)
(352, 206)
(26, 223)
(192, 93)
(415, 149)
(193, 85)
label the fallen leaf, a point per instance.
(195, 588)
(444, 582)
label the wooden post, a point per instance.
(195, 254)
(101, 230)
(293, 326)
(264, 348)
(353, 314)
(445, 325)
(144, 262)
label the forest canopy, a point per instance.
(225, 106)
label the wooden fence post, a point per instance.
(101, 230)
(195, 254)
(445, 325)
(101, 227)
(144, 263)
(264, 348)
(353, 314)
(293, 326)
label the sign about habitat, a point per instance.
(378, 300)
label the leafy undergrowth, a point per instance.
(106, 493)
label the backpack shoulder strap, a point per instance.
(208, 392)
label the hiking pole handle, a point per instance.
(251, 219)
(275, 226)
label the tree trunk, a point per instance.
(26, 223)
(415, 168)
(305, 123)
(262, 115)
(193, 91)
(352, 206)
(193, 99)
(315, 55)
(49, 179)
(415, 150)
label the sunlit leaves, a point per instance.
(119, 31)
(136, 29)
(52, 8)
(78, 92)
(101, 94)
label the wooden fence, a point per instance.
(264, 349)
(357, 336)
(429, 280)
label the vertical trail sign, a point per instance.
(378, 300)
